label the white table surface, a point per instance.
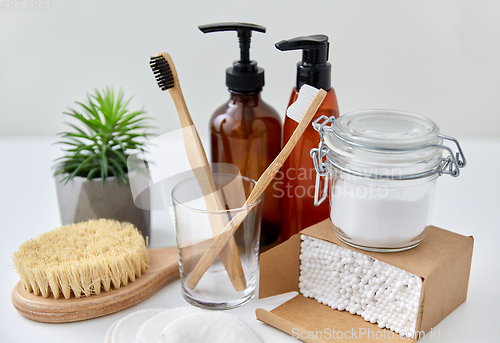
(469, 205)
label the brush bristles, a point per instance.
(82, 259)
(162, 72)
(299, 108)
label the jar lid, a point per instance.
(386, 129)
(384, 144)
(384, 136)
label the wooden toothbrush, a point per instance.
(166, 76)
(302, 111)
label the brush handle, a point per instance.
(276, 165)
(220, 241)
(163, 269)
(177, 96)
(201, 169)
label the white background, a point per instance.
(437, 58)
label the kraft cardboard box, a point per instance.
(442, 260)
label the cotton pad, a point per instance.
(126, 328)
(109, 333)
(151, 330)
(344, 279)
(210, 327)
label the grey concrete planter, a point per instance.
(81, 200)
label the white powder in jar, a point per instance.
(381, 213)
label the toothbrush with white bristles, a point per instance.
(302, 111)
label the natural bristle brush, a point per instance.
(302, 111)
(166, 76)
(81, 259)
(87, 270)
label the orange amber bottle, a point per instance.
(298, 173)
(245, 131)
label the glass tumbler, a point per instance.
(196, 227)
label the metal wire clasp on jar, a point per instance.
(381, 167)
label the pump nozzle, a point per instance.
(314, 68)
(244, 76)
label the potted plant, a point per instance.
(92, 176)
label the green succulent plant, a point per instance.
(100, 145)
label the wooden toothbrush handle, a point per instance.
(180, 105)
(229, 253)
(199, 164)
(276, 165)
(220, 241)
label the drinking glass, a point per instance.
(196, 227)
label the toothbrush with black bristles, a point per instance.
(166, 76)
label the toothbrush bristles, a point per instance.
(162, 72)
(299, 108)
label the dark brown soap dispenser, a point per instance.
(245, 131)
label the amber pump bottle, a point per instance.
(245, 131)
(299, 176)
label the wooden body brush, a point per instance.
(302, 111)
(166, 76)
(92, 265)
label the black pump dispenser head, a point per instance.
(244, 75)
(314, 69)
